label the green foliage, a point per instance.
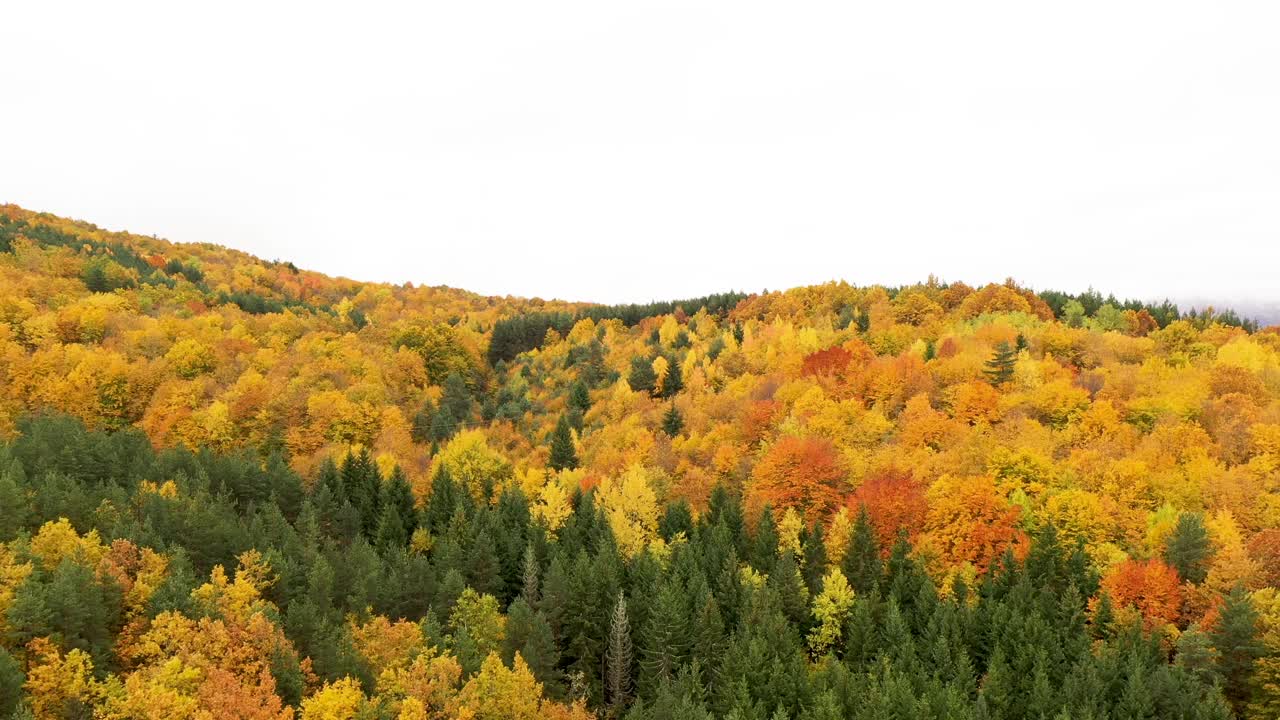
(642, 377)
(999, 368)
(563, 454)
(1188, 548)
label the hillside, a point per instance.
(922, 443)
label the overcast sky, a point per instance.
(614, 151)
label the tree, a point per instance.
(1235, 638)
(1151, 586)
(804, 473)
(618, 658)
(999, 368)
(861, 562)
(672, 381)
(579, 397)
(830, 610)
(672, 421)
(11, 680)
(563, 455)
(642, 377)
(1188, 548)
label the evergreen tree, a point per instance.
(1188, 548)
(815, 557)
(457, 399)
(672, 421)
(999, 368)
(673, 381)
(861, 563)
(1235, 638)
(563, 454)
(642, 377)
(528, 634)
(529, 590)
(579, 397)
(764, 543)
(15, 508)
(420, 428)
(618, 658)
(362, 484)
(664, 639)
(11, 680)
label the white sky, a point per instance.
(626, 151)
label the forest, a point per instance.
(234, 488)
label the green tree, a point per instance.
(618, 658)
(672, 421)
(861, 562)
(642, 377)
(1235, 638)
(999, 368)
(1188, 549)
(563, 455)
(673, 381)
(11, 680)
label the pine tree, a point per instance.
(579, 397)
(14, 505)
(999, 368)
(672, 421)
(664, 638)
(1188, 548)
(815, 557)
(642, 377)
(1235, 638)
(764, 543)
(457, 399)
(563, 454)
(529, 590)
(673, 381)
(11, 680)
(391, 534)
(618, 658)
(861, 562)
(930, 350)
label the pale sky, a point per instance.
(613, 151)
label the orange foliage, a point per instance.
(1150, 585)
(803, 473)
(895, 502)
(968, 521)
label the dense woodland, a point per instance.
(231, 488)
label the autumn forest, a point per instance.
(233, 488)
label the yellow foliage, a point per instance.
(341, 700)
(632, 508)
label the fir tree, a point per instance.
(642, 378)
(529, 590)
(563, 454)
(861, 563)
(618, 658)
(1188, 548)
(672, 421)
(999, 368)
(1235, 638)
(579, 397)
(673, 381)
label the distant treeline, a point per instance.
(1164, 313)
(514, 335)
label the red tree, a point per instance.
(894, 501)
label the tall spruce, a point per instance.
(563, 454)
(999, 367)
(618, 658)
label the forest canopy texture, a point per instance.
(232, 488)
